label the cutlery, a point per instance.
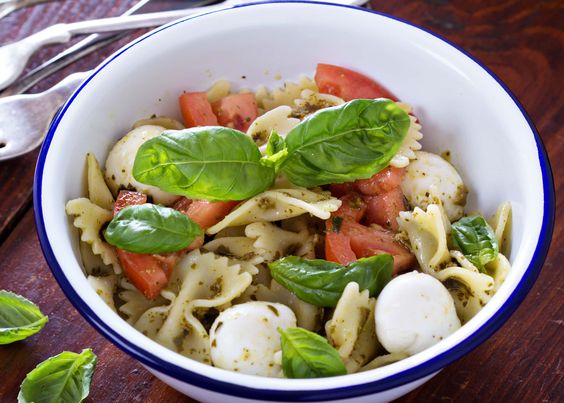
(70, 55)
(14, 57)
(25, 118)
(8, 6)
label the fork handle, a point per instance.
(133, 21)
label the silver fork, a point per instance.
(9, 6)
(24, 119)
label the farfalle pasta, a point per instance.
(269, 225)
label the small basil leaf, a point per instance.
(63, 378)
(344, 143)
(212, 163)
(321, 283)
(148, 228)
(308, 355)
(275, 144)
(476, 240)
(19, 317)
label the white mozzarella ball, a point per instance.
(413, 312)
(244, 338)
(430, 179)
(119, 165)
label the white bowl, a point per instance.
(462, 106)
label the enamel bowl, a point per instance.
(463, 109)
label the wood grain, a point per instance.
(520, 41)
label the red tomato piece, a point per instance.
(338, 248)
(348, 84)
(387, 179)
(340, 189)
(144, 271)
(352, 207)
(148, 273)
(383, 209)
(127, 198)
(196, 109)
(206, 213)
(370, 241)
(237, 111)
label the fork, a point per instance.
(24, 119)
(9, 6)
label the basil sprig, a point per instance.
(321, 283)
(344, 143)
(19, 317)
(212, 163)
(476, 240)
(339, 144)
(65, 377)
(148, 228)
(308, 355)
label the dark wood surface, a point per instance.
(521, 41)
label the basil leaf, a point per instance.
(476, 240)
(344, 143)
(308, 355)
(275, 144)
(148, 228)
(212, 163)
(321, 283)
(63, 378)
(19, 317)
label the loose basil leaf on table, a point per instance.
(344, 143)
(65, 378)
(321, 283)
(149, 228)
(19, 317)
(474, 237)
(308, 355)
(212, 163)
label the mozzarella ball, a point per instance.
(430, 179)
(245, 338)
(413, 312)
(119, 165)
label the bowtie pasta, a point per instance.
(308, 213)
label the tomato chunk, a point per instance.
(144, 271)
(348, 84)
(148, 273)
(127, 198)
(237, 111)
(196, 109)
(338, 248)
(370, 241)
(206, 213)
(352, 207)
(387, 179)
(383, 209)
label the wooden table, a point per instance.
(522, 41)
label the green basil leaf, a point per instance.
(344, 143)
(275, 144)
(308, 355)
(321, 283)
(212, 163)
(476, 240)
(148, 228)
(64, 378)
(19, 317)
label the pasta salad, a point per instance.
(308, 214)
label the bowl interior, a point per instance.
(461, 107)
